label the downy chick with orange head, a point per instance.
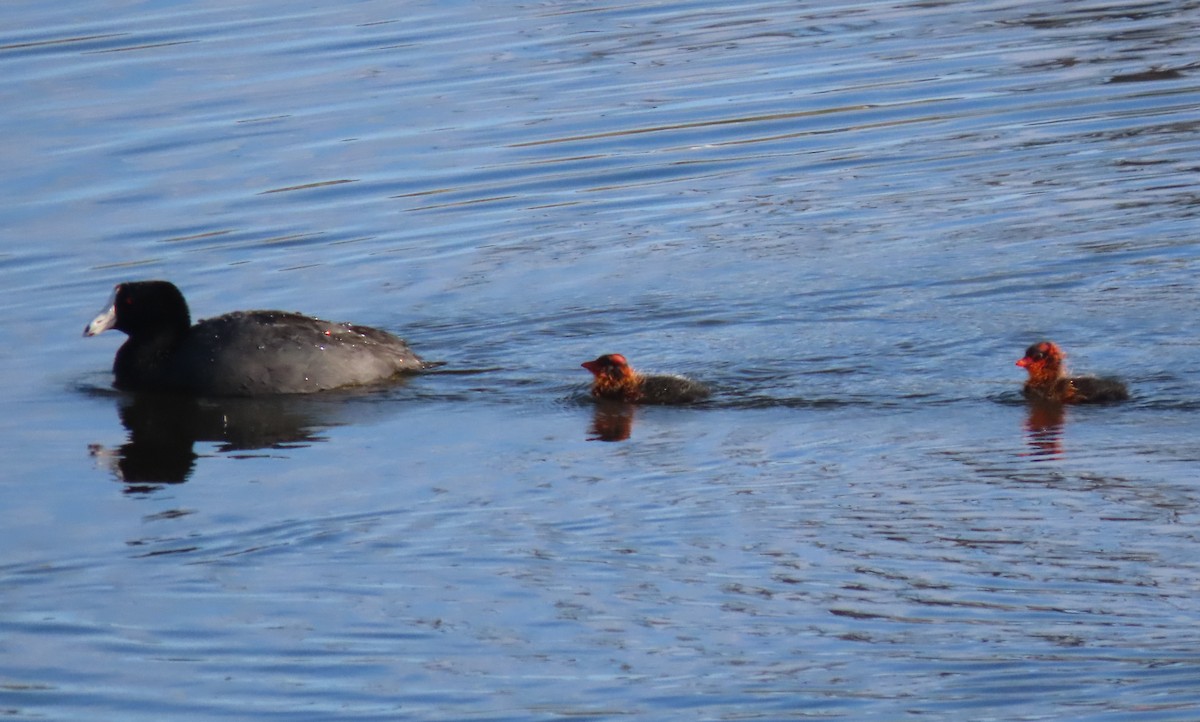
(1048, 380)
(616, 380)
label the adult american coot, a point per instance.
(1048, 379)
(247, 353)
(616, 379)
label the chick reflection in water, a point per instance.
(163, 430)
(1044, 429)
(612, 421)
(617, 388)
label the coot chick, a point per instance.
(616, 380)
(1048, 379)
(246, 353)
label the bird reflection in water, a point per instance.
(163, 430)
(612, 421)
(1044, 429)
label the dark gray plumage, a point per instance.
(246, 353)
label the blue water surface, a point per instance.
(849, 219)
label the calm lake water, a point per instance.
(849, 218)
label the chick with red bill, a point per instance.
(615, 379)
(1049, 382)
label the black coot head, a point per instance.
(143, 307)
